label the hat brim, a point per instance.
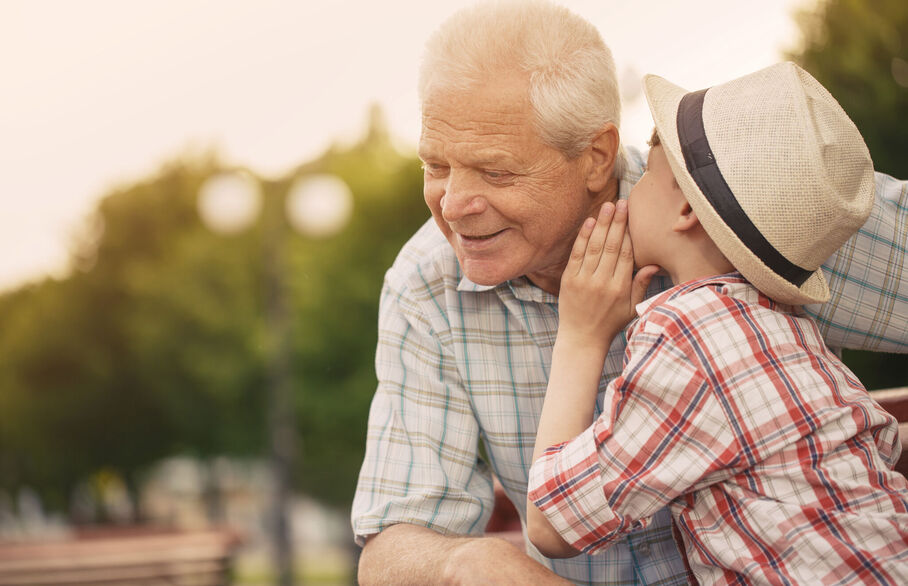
(663, 98)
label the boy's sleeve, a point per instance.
(868, 307)
(661, 434)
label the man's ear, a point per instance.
(602, 153)
(687, 219)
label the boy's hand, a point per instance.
(598, 288)
(597, 298)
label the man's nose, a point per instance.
(463, 197)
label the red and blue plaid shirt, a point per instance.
(774, 460)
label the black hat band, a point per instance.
(701, 163)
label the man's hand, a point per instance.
(409, 554)
(491, 560)
(598, 289)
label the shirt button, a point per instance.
(643, 548)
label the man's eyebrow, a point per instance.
(483, 158)
(492, 157)
(425, 153)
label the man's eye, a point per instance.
(434, 169)
(496, 175)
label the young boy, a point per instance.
(774, 460)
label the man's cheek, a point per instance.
(433, 199)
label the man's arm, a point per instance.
(421, 474)
(868, 307)
(409, 554)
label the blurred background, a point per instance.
(199, 201)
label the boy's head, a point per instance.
(772, 169)
(663, 228)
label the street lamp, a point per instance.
(319, 205)
(229, 202)
(316, 206)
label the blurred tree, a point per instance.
(155, 344)
(859, 51)
(335, 286)
(80, 405)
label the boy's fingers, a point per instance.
(641, 283)
(580, 245)
(615, 238)
(624, 265)
(598, 236)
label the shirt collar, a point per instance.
(466, 285)
(522, 288)
(687, 287)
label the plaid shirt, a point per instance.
(774, 460)
(462, 372)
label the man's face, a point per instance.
(651, 204)
(509, 204)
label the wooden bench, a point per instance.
(121, 557)
(505, 520)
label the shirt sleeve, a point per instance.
(661, 435)
(868, 307)
(421, 464)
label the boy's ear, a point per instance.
(602, 154)
(686, 220)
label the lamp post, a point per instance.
(316, 206)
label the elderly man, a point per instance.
(520, 113)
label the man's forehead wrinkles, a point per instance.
(508, 125)
(470, 153)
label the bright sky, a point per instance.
(97, 93)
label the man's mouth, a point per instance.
(479, 243)
(481, 236)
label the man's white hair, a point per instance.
(573, 88)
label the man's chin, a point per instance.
(484, 279)
(485, 272)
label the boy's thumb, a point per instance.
(641, 282)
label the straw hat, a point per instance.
(776, 172)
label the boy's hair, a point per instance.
(654, 140)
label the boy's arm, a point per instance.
(568, 410)
(597, 298)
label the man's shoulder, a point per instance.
(632, 170)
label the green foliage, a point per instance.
(158, 344)
(335, 368)
(859, 51)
